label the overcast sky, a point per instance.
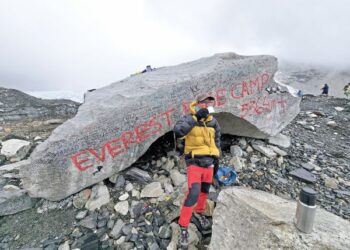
(78, 45)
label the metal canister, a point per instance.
(306, 210)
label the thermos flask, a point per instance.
(306, 210)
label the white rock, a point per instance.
(129, 187)
(168, 164)
(265, 150)
(135, 193)
(249, 149)
(37, 138)
(99, 197)
(81, 214)
(237, 163)
(15, 148)
(280, 161)
(124, 197)
(64, 246)
(54, 121)
(242, 142)
(10, 188)
(280, 140)
(331, 123)
(338, 108)
(168, 188)
(120, 240)
(236, 151)
(313, 115)
(153, 189)
(331, 183)
(122, 207)
(177, 178)
(278, 150)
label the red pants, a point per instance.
(199, 180)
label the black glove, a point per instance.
(202, 113)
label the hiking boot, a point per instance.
(183, 238)
(203, 221)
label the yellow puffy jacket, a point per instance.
(202, 138)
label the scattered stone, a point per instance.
(54, 121)
(319, 113)
(138, 175)
(117, 229)
(10, 188)
(81, 214)
(169, 189)
(79, 201)
(280, 161)
(12, 202)
(164, 232)
(311, 128)
(38, 138)
(258, 173)
(64, 246)
(303, 175)
(89, 222)
(249, 149)
(265, 150)
(331, 123)
(278, 151)
(254, 159)
(120, 181)
(122, 207)
(15, 148)
(177, 178)
(126, 230)
(124, 197)
(99, 197)
(129, 187)
(237, 163)
(135, 193)
(309, 166)
(331, 183)
(242, 142)
(168, 165)
(280, 140)
(313, 115)
(153, 189)
(236, 151)
(338, 108)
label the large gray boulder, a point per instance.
(117, 123)
(252, 219)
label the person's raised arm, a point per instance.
(184, 126)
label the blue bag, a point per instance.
(225, 175)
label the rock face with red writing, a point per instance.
(117, 123)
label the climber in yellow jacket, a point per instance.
(201, 133)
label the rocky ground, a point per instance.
(138, 208)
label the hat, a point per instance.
(202, 97)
